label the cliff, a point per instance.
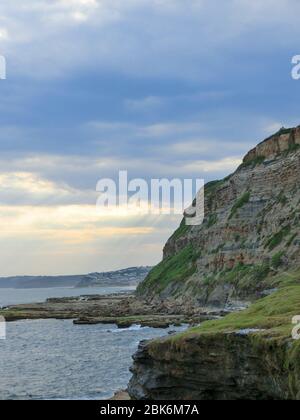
(249, 234)
(247, 249)
(246, 355)
(281, 142)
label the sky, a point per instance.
(160, 88)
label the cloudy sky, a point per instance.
(161, 88)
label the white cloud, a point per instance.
(228, 164)
(75, 239)
(199, 146)
(30, 188)
(48, 200)
(80, 223)
(3, 34)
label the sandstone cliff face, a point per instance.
(250, 232)
(275, 145)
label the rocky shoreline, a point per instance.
(123, 309)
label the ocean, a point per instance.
(54, 359)
(16, 296)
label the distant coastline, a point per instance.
(131, 276)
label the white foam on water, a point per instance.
(135, 327)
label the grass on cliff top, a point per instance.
(273, 313)
(280, 132)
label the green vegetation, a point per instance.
(210, 189)
(247, 279)
(291, 239)
(212, 220)
(276, 261)
(211, 186)
(258, 160)
(277, 238)
(244, 199)
(284, 130)
(173, 269)
(282, 199)
(260, 272)
(292, 148)
(235, 274)
(273, 313)
(285, 279)
(269, 322)
(281, 132)
(181, 231)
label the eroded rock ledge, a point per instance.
(224, 366)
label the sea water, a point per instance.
(55, 359)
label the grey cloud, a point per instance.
(137, 37)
